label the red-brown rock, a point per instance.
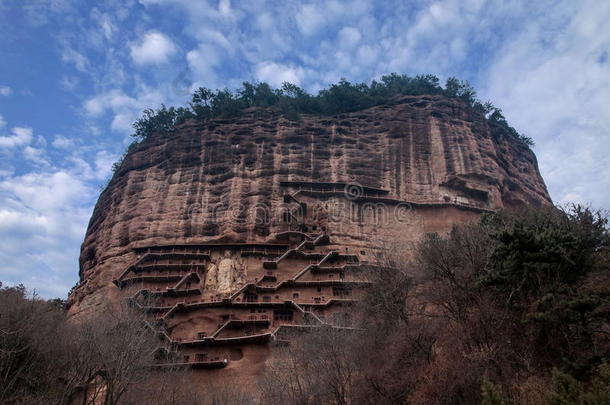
(235, 230)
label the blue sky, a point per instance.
(75, 74)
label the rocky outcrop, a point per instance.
(238, 197)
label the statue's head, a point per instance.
(227, 253)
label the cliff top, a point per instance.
(292, 101)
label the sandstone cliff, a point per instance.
(235, 183)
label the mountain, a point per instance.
(234, 233)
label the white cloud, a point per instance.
(556, 89)
(367, 55)
(276, 73)
(123, 120)
(61, 142)
(80, 61)
(44, 192)
(43, 217)
(103, 164)
(313, 18)
(20, 136)
(69, 82)
(106, 26)
(5, 91)
(36, 155)
(113, 99)
(125, 109)
(349, 36)
(224, 7)
(44, 209)
(202, 61)
(152, 48)
(310, 19)
(40, 12)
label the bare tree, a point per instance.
(318, 367)
(117, 350)
(44, 358)
(27, 328)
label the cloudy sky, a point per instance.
(74, 75)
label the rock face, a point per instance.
(234, 232)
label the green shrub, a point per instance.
(566, 390)
(491, 395)
(291, 101)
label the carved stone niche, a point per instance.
(227, 276)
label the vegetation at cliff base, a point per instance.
(291, 101)
(513, 310)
